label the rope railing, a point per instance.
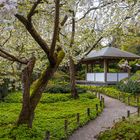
(76, 120)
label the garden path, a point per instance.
(114, 109)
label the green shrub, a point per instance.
(62, 88)
(129, 86)
(124, 130)
(3, 90)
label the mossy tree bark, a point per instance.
(30, 101)
(55, 57)
(25, 114)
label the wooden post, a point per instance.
(91, 68)
(78, 119)
(87, 70)
(88, 112)
(97, 109)
(105, 70)
(47, 135)
(138, 111)
(101, 104)
(128, 113)
(101, 98)
(66, 126)
(137, 101)
(103, 101)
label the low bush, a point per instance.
(130, 85)
(124, 130)
(114, 92)
(50, 114)
(62, 88)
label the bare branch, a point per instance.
(56, 27)
(30, 28)
(7, 39)
(91, 48)
(33, 10)
(73, 29)
(11, 57)
(64, 20)
(94, 8)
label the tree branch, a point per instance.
(73, 29)
(64, 20)
(94, 8)
(32, 11)
(11, 57)
(56, 27)
(30, 28)
(94, 45)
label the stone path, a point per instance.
(114, 109)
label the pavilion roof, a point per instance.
(110, 53)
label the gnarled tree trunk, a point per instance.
(30, 101)
(25, 114)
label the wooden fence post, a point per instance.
(66, 126)
(137, 101)
(138, 111)
(88, 112)
(128, 113)
(101, 98)
(47, 135)
(101, 104)
(78, 119)
(103, 101)
(97, 109)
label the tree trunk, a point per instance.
(26, 115)
(30, 101)
(74, 92)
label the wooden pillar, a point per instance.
(87, 70)
(105, 70)
(91, 68)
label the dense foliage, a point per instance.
(62, 88)
(50, 115)
(114, 92)
(130, 85)
(124, 130)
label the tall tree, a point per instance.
(54, 53)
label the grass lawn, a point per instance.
(50, 114)
(124, 130)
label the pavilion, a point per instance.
(104, 57)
